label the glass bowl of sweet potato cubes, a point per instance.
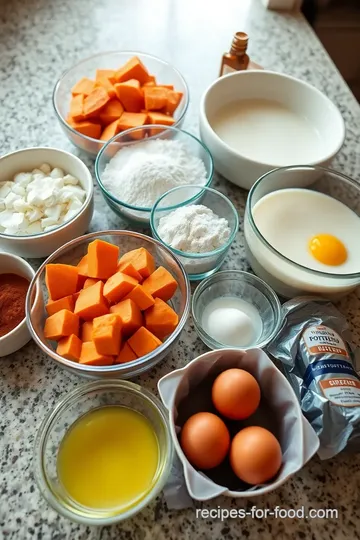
(114, 303)
(111, 92)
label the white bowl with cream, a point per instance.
(43, 244)
(254, 121)
(304, 241)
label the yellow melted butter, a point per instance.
(108, 458)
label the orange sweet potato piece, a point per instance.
(141, 297)
(110, 131)
(61, 324)
(70, 347)
(82, 266)
(85, 86)
(161, 319)
(130, 316)
(141, 260)
(107, 334)
(86, 331)
(126, 355)
(61, 280)
(143, 342)
(155, 98)
(160, 284)
(107, 85)
(131, 120)
(91, 357)
(129, 269)
(77, 108)
(118, 286)
(133, 69)
(111, 112)
(168, 86)
(173, 100)
(103, 259)
(90, 129)
(108, 73)
(149, 83)
(94, 102)
(90, 281)
(130, 95)
(159, 118)
(91, 302)
(67, 302)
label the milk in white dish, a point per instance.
(268, 132)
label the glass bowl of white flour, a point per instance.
(198, 224)
(139, 165)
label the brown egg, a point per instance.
(236, 394)
(255, 455)
(205, 440)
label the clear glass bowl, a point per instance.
(285, 276)
(163, 71)
(238, 284)
(197, 265)
(77, 403)
(71, 253)
(140, 216)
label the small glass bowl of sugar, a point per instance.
(198, 224)
(235, 309)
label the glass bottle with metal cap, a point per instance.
(236, 59)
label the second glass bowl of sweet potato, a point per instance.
(71, 253)
(164, 72)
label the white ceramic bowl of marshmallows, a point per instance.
(46, 200)
(290, 121)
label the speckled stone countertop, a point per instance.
(38, 40)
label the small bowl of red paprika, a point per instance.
(15, 277)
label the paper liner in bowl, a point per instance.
(297, 438)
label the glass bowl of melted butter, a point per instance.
(104, 452)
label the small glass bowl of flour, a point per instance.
(199, 229)
(139, 165)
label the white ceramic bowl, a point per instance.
(297, 438)
(298, 96)
(20, 335)
(43, 244)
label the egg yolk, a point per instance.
(328, 249)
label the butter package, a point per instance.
(322, 365)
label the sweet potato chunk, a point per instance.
(85, 86)
(155, 98)
(141, 259)
(143, 342)
(130, 95)
(90, 129)
(111, 112)
(160, 284)
(61, 280)
(107, 334)
(61, 324)
(133, 69)
(91, 302)
(102, 260)
(70, 348)
(90, 281)
(86, 331)
(94, 102)
(161, 319)
(141, 297)
(91, 357)
(67, 302)
(130, 316)
(129, 269)
(110, 131)
(77, 108)
(118, 286)
(126, 355)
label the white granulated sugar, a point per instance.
(140, 174)
(194, 229)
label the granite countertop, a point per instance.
(38, 40)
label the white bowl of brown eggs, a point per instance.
(236, 424)
(46, 200)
